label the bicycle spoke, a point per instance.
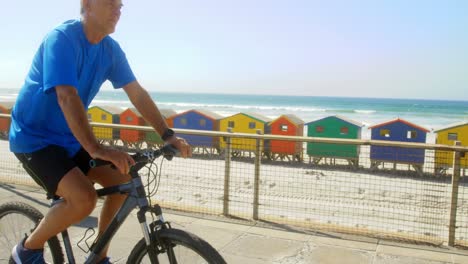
(180, 247)
(181, 255)
(13, 228)
(178, 254)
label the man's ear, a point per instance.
(85, 5)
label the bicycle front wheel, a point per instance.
(181, 247)
(18, 220)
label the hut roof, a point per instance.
(258, 117)
(342, 118)
(293, 118)
(164, 112)
(203, 112)
(7, 104)
(167, 112)
(113, 110)
(134, 110)
(399, 120)
(451, 126)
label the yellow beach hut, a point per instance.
(107, 115)
(447, 136)
(244, 123)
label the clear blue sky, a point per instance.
(374, 48)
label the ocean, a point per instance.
(430, 114)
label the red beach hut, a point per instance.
(287, 125)
(131, 116)
(5, 108)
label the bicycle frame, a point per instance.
(136, 198)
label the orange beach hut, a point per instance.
(5, 108)
(131, 116)
(286, 125)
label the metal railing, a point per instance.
(240, 175)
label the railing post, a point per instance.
(258, 158)
(454, 198)
(227, 173)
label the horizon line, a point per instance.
(278, 95)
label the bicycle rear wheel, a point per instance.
(18, 220)
(183, 246)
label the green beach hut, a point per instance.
(334, 127)
(153, 137)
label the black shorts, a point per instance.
(49, 165)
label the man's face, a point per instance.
(104, 14)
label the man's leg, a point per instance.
(106, 177)
(79, 200)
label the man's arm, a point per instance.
(146, 106)
(77, 121)
(150, 112)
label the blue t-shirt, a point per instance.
(65, 57)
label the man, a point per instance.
(50, 133)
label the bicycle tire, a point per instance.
(180, 240)
(24, 210)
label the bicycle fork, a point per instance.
(150, 239)
(154, 243)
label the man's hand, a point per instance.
(181, 145)
(120, 159)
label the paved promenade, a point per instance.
(250, 243)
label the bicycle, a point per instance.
(160, 243)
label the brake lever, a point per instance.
(169, 151)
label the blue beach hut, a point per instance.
(198, 120)
(402, 131)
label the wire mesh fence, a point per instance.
(402, 192)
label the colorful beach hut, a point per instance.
(334, 127)
(286, 125)
(5, 108)
(197, 119)
(245, 123)
(131, 116)
(447, 136)
(155, 138)
(398, 130)
(107, 115)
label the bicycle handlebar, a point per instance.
(143, 157)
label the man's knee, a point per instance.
(79, 192)
(83, 202)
